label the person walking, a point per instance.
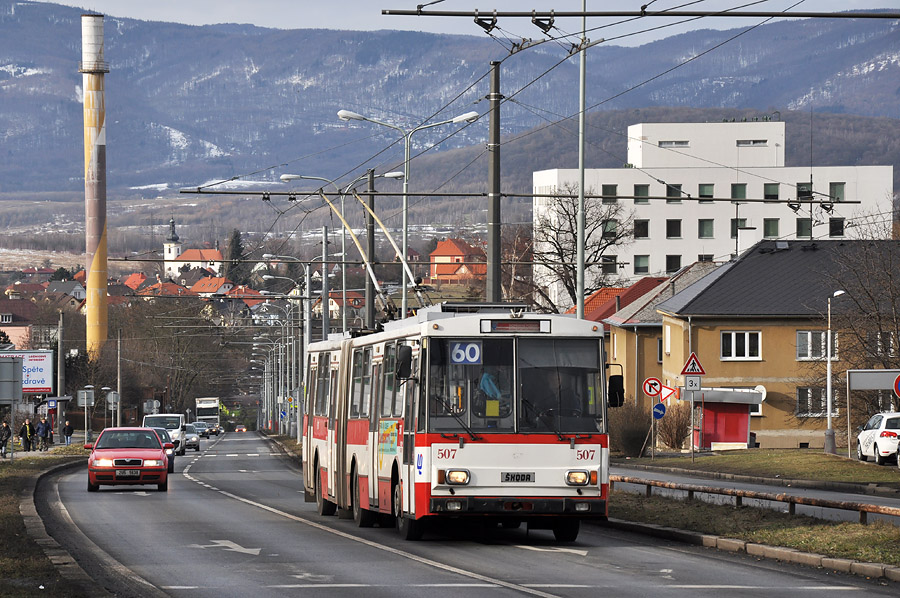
(43, 434)
(68, 430)
(5, 435)
(26, 433)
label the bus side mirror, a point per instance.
(615, 391)
(404, 362)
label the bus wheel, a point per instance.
(409, 529)
(362, 516)
(566, 530)
(323, 505)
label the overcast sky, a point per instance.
(366, 14)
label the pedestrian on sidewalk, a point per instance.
(68, 430)
(26, 433)
(43, 434)
(5, 435)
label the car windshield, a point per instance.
(169, 422)
(190, 429)
(113, 439)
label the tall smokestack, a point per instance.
(93, 68)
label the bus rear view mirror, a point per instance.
(615, 391)
(404, 362)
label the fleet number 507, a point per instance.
(585, 454)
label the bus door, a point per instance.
(338, 415)
(408, 422)
(309, 403)
(374, 422)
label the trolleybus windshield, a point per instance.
(551, 387)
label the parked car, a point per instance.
(128, 456)
(202, 429)
(240, 428)
(879, 438)
(191, 438)
(170, 453)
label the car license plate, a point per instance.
(128, 473)
(516, 476)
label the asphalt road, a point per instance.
(234, 523)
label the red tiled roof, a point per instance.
(249, 296)
(454, 247)
(200, 255)
(80, 276)
(598, 298)
(210, 284)
(134, 280)
(165, 289)
(633, 292)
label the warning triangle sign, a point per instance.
(692, 367)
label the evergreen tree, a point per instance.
(235, 270)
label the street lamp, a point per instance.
(407, 135)
(829, 432)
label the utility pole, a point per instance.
(325, 298)
(493, 256)
(370, 250)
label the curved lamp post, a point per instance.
(829, 432)
(407, 135)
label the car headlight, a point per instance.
(103, 462)
(152, 462)
(577, 477)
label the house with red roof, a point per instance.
(135, 280)
(211, 286)
(164, 289)
(456, 261)
(244, 293)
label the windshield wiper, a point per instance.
(457, 418)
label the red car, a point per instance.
(128, 456)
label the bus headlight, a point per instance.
(578, 477)
(453, 477)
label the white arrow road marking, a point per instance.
(314, 577)
(228, 545)
(139, 493)
(554, 549)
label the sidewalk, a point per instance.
(14, 448)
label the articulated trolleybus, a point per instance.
(461, 411)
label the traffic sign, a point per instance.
(666, 392)
(692, 366)
(692, 382)
(652, 386)
(897, 386)
(659, 410)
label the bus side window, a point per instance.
(365, 407)
(388, 377)
(357, 388)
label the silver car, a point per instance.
(170, 453)
(191, 437)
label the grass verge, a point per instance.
(878, 542)
(789, 464)
(24, 569)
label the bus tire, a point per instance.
(408, 528)
(361, 516)
(566, 530)
(324, 506)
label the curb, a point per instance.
(779, 553)
(65, 564)
(871, 489)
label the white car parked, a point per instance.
(879, 438)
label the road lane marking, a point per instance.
(229, 546)
(552, 549)
(377, 546)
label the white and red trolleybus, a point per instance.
(457, 412)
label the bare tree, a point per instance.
(607, 225)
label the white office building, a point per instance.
(681, 184)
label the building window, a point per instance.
(641, 264)
(804, 228)
(673, 263)
(705, 192)
(641, 194)
(609, 228)
(836, 191)
(812, 402)
(5, 318)
(673, 193)
(770, 228)
(641, 229)
(881, 344)
(835, 227)
(608, 264)
(811, 345)
(659, 350)
(770, 191)
(737, 223)
(673, 229)
(671, 144)
(741, 345)
(705, 228)
(738, 190)
(609, 193)
(705, 257)
(667, 336)
(613, 345)
(804, 190)
(752, 142)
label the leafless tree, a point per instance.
(607, 225)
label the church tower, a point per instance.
(171, 251)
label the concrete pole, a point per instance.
(494, 294)
(325, 297)
(579, 240)
(370, 251)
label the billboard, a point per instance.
(38, 372)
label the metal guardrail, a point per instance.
(862, 508)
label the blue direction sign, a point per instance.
(659, 410)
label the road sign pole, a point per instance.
(692, 426)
